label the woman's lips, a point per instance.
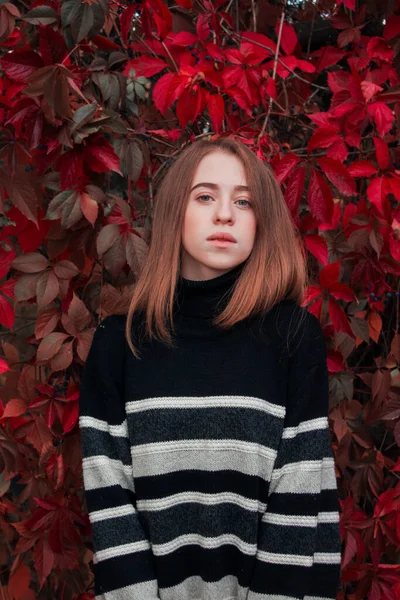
(221, 243)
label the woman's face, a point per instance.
(219, 203)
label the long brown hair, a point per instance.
(276, 268)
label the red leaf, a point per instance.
(14, 408)
(50, 345)
(19, 581)
(370, 89)
(322, 138)
(6, 258)
(312, 292)
(190, 105)
(350, 548)
(295, 189)
(394, 186)
(329, 275)
(30, 263)
(70, 416)
(320, 197)
(270, 88)
(375, 591)
(378, 48)
(217, 110)
(47, 288)
(339, 318)
(289, 39)
(260, 39)
(3, 366)
(53, 48)
(125, 21)
(184, 38)
(392, 27)
(89, 207)
(288, 61)
(376, 192)
(185, 3)
(166, 89)
(43, 559)
(338, 151)
(394, 246)
(318, 247)
(329, 56)
(161, 16)
(382, 153)
(341, 291)
(7, 314)
(203, 27)
(338, 174)
(283, 168)
(362, 168)
(100, 156)
(145, 66)
(305, 65)
(316, 308)
(71, 167)
(104, 43)
(382, 116)
(21, 64)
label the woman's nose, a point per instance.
(223, 212)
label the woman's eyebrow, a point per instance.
(215, 186)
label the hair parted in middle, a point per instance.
(275, 270)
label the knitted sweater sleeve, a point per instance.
(122, 561)
(299, 546)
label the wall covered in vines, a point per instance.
(96, 99)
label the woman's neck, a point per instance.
(207, 297)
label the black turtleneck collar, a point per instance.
(205, 298)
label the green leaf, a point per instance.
(41, 15)
(83, 115)
(86, 22)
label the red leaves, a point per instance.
(145, 66)
(190, 104)
(320, 197)
(323, 137)
(289, 39)
(167, 89)
(338, 175)
(21, 64)
(335, 290)
(216, 109)
(74, 117)
(382, 116)
(284, 166)
(100, 156)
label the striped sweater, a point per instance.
(207, 467)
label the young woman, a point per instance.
(207, 462)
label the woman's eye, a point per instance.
(204, 199)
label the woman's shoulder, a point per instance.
(109, 334)
(295, 327)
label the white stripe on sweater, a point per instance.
(209, 455)
(101, 471)
(114, 430)
(204, 499)
(299, 520)
(304, 477)
(305, 427)
(190, 402)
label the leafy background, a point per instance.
(97, 97)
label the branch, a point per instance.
(318, 87)
(262, 132)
